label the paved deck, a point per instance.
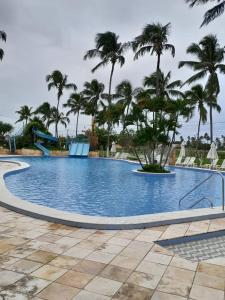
(42, 260)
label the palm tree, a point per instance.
(167, 89)
(59, 81)
(3, 37)
(58, 118)
(198, 96)
(209, 56)
(75, 104)
(153, 40)
(212, 13)
(110, 51)
(24, 113)
(92, 94)
(125, 93)
(45, 110)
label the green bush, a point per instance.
(153, 169)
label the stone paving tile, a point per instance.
(78, 252)
(100, 256)
(29, 285)
(164, 296)
(65, 262)
(103, 286)
(116, 273)
(151, 268)
(158, 258)
(125, 262)
(48, 272)
(9, 295)
(85, 295)
(49, 237)
(6, 261)
(130, 291)
(112, 249)
(176, 287)
(182, 263)
(88, 266)
(24, 266)
(75, 279)
(41, 256)
(205, 293)
(118, 241)
(68, 241)
(213, 270)
(56, 291)
(180, 275)
(20, 252)
(206, 280)
(144, 280)
(9, 277)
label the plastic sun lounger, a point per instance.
(212, 165)
(222, 167)
(117, 155)
(178, 161)
(191, 162)
(185, 162)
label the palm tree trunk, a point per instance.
(77, 122)
(198, 133)
(56, 129)
(157, 75)
(110, 101)
(211, 121)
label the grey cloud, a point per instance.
(44, 35)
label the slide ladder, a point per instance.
(79, 150)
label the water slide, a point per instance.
(79, 149)
(48, 137)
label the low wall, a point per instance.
(29, 152)
(4, 151)
(93, 154)
(59, 153)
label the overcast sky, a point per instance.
(44, 35)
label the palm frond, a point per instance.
(213, 13)
(196, 77)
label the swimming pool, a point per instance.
(101, 187)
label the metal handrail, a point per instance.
(198, 185)
(200, 200)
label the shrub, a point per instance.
(153, 168)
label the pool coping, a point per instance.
(9, 201)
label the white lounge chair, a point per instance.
(124, 155)
(178, 161)
(222, 167)
(185, 162)
(191, 162)
(117, 155)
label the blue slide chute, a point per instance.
(79, 150)
(48, 137)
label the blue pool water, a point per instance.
(106, 187)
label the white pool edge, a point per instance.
(9, 201)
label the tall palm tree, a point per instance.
(24, 113)
(110, 51)
(125, 94)
(58, 118)
(153, 40)
(75, 104)
(212, 13)
(92, 94)
(210, 56)
(59, 81)
(45, 110)
(198, 96)
(3, 37)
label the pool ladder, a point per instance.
(206, 198)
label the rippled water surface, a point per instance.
(106, 187)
